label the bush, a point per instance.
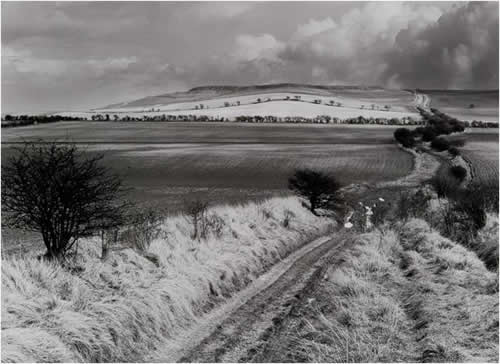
(196, 211)
(454, 151)
(440, 144)
(144, 226)
(412, 204)
(444, 185)
(405, 137)
(428, 134)
(458, 172)
(458, 142)
(289, 215)
(320, 189)
(61, 193)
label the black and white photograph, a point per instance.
(249, 181)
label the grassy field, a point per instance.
(121, 308)
(282, 109)
(457, 104)
(192, 132)
(408, 295)
(483, 159)
(227, 163)
(216, 96)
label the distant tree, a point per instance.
(227, 104)
(458, 172)
(259, 100)
(320, 189)
(405, 137)
(61, 193)
(332, 102)
(440, 144)
(428, 134)
(471, 106)
(454, 151)
(238, 103)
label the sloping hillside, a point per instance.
(276, 100)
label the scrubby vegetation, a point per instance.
(9, 121)
(122, 307)
(61, 193)
(318, 188)
(407, 295)
(436, 124)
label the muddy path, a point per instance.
(241, 332)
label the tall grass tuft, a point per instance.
(122, 308)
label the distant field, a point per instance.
(269, 100)
(483, 158)
(245, 94)
(164, 162)
(192, 132)
(457, 104)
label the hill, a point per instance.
(281, 100)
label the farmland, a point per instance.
(277, 100)
(225, 163)
(466, 105)
(483, 160)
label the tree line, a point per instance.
(9, 121)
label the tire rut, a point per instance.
(241, 334)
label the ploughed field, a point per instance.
(164, 163)
(466, 105)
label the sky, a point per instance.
(75, 55)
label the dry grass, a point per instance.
(124, 307)
(407, 295)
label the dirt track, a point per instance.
(242, 333)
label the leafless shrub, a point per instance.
(380, 214)
(144, 226)
(444, 184)
(196, 211)
(266, 213)
(215, 224)
(412, 204)
(318, 188)
(109, 238)
(60, 192)
(289, 215)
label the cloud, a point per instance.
(314, 27)
(406, 45)
(459, 50)
(249, 47)
(211, 10)
(114, 51)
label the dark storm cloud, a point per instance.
(71, 55)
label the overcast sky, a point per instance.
(60, 56)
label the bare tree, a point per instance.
(320, 189)
(196, 211)
(143, 226)
(60, 192)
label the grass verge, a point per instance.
(124, 307)
(406, 295)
